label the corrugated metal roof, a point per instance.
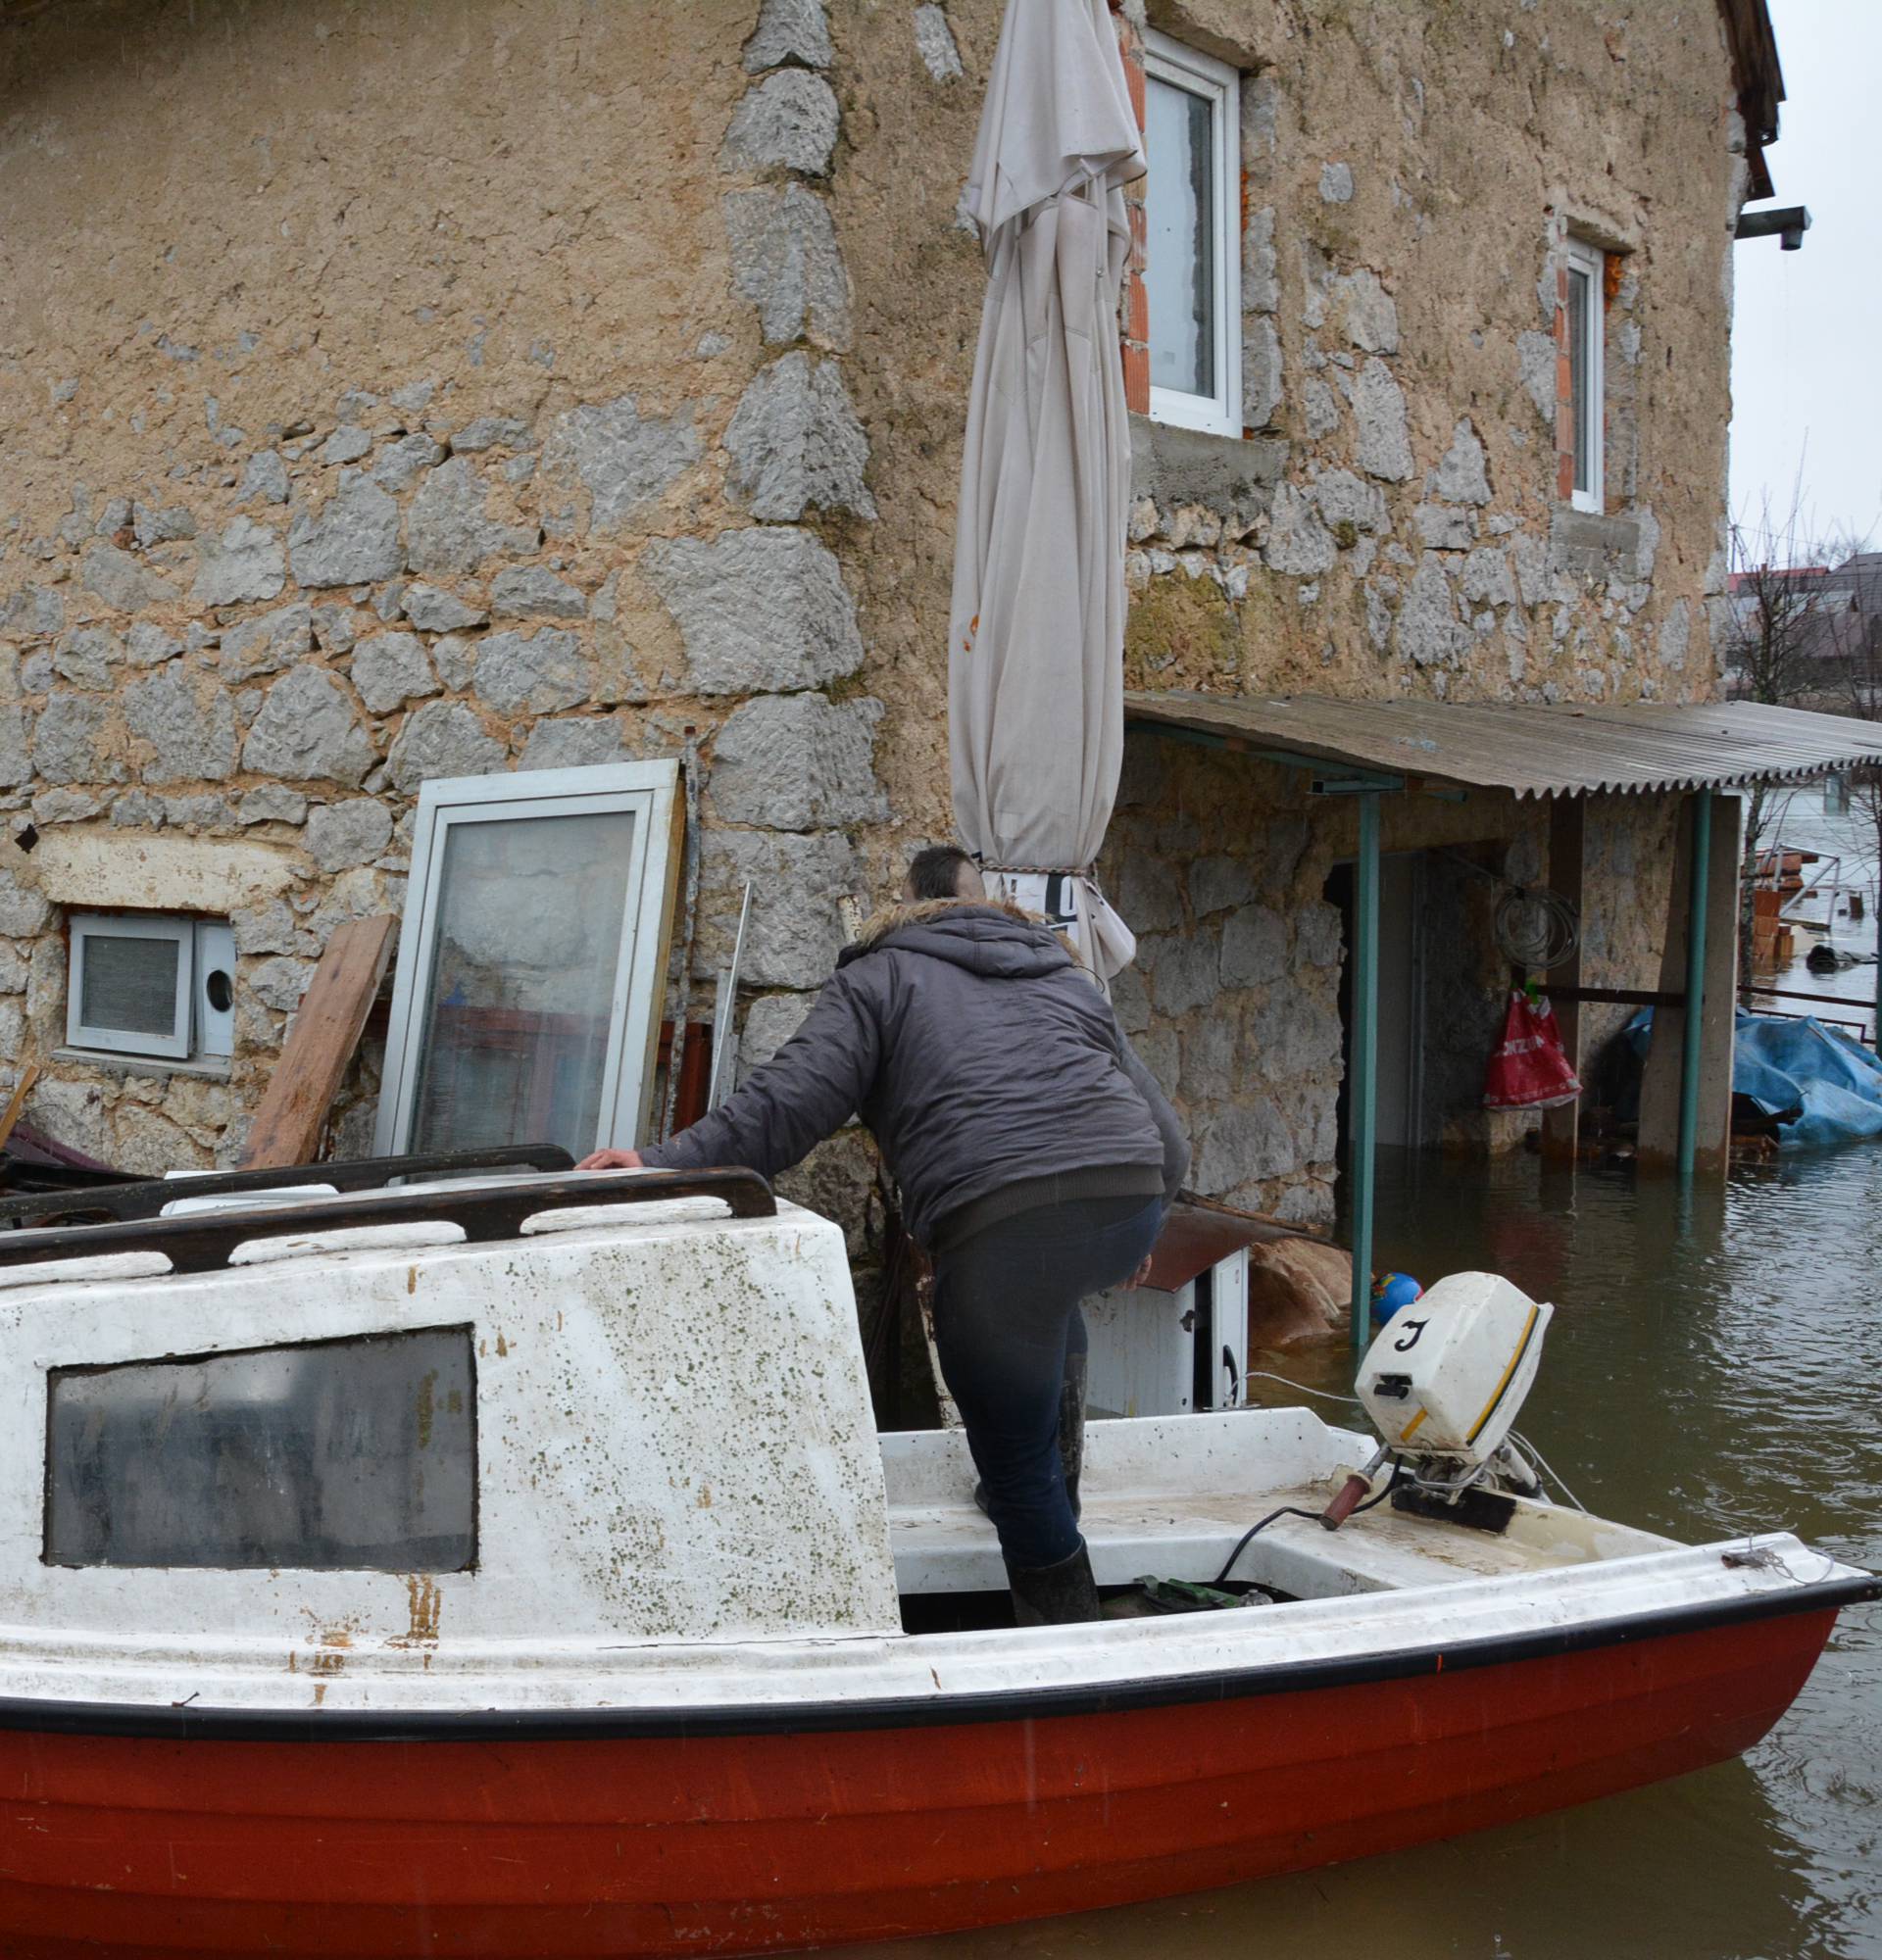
(1533, 750)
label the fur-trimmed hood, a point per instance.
(918, 911)
(986, 936)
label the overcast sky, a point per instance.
(1807, 353)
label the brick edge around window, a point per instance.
(1134, 325)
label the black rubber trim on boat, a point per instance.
(181, 1722)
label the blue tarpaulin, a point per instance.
(1832, 1084)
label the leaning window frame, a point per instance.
(651, 790)
(1170, 61)
(1583, 256)
(85, 927)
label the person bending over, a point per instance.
(1035, 1155)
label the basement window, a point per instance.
(151, 985)
(1192, 269)
(1585, 330)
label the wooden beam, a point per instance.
(17, 1102)
(1561, 1125)
(1615, 997)
(320, 1042)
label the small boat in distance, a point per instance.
(511, 1566)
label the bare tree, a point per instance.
(1769, 647)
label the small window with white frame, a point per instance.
(1585, 330)
(1192, 269)
(152, 986)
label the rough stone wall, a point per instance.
(1391, 523)
(407, 388)
(516, 438)
(1234, 1001)
(1630, 846)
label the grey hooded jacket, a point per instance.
(980, 1056)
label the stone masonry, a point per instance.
(615, 409)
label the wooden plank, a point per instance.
(17, 1102)
(1561, 1125)
(1615, 996)
(321, 1042)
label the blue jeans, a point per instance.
(1006, 1314)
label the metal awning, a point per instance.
(1370, 749)
(1530, 751)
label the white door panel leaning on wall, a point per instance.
(532, 960)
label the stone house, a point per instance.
(399, 389)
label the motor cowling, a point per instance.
(1446, 1377)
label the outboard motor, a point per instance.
(1443, 1382)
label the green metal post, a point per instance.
(1362, 1144)
(1700, 860)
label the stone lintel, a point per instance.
(102, 870)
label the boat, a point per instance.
(509, 1565)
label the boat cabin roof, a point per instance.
(493, 1404)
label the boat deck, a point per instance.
(1172, 1496)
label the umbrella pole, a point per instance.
(1363, 1142)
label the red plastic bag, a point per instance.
(1529, 1070)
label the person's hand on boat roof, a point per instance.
(612, 1160)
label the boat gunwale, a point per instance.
(190, 1722)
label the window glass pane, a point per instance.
(1179, 273)
(1581, 296)
(356, 1454)
(518, 999)
(129, 984)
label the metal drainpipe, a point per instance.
(1700, 856)
(1363, 1145)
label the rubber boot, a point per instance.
(1072, 1425)
(1054, 1595)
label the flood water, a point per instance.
(1714, 1366)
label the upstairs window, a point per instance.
(1585, 329)
(1192, 273)
(151, 985)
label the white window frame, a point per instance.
(1590, 259)
(650, 789)
(87, 926)
(1186, 67)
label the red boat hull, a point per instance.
(151, 1847)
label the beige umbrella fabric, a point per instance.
(1035, 660)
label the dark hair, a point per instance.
(935, 872)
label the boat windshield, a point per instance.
(328, 1455)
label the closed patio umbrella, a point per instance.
(1035, 660)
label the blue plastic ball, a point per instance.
(1392, 1290)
